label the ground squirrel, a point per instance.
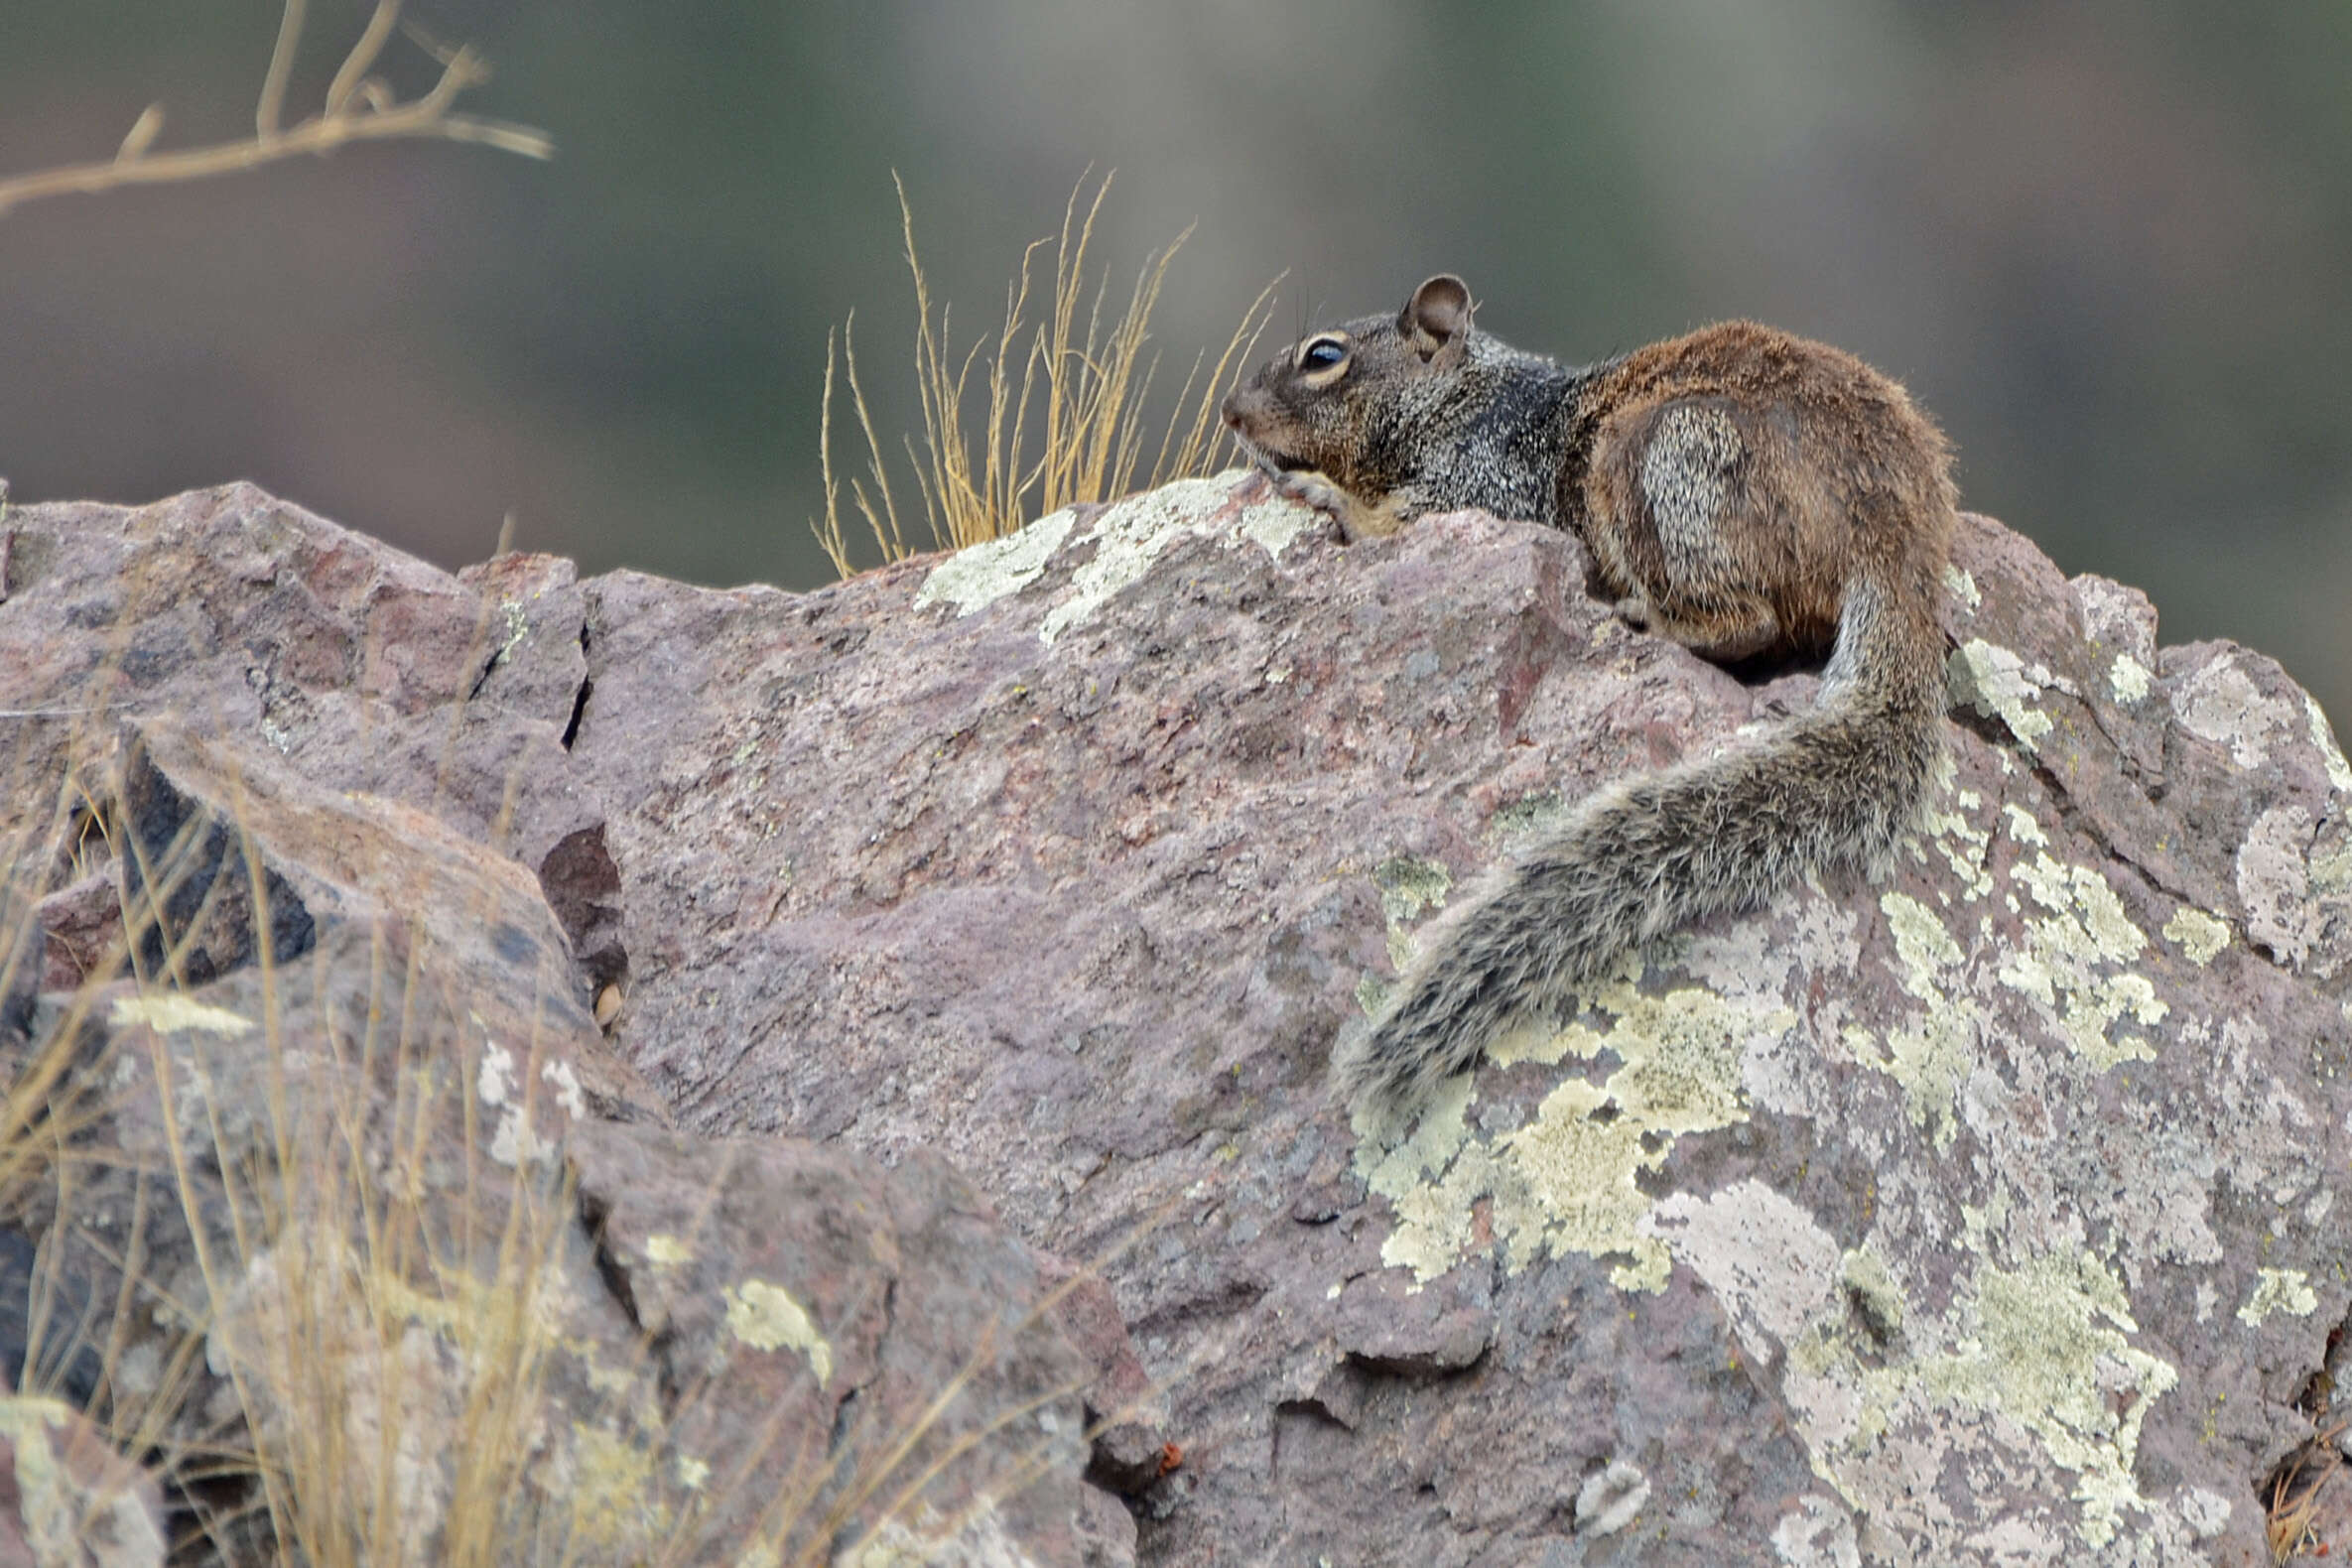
(1740, 490)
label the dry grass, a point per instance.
(387, 1340)
(1061, 412)
(353, 1323)
(2294, 1493)
(359, 108)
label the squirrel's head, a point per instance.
(1335, 401)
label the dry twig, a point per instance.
(359, 108)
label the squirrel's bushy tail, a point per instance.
(1832, 789)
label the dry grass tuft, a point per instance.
(1060, 413)
(359, 108)
(2294, 1493)
(378, 1329)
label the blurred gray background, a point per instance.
(2109, 245)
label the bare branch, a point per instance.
(359, 108)
(363, 55)
(273, 80)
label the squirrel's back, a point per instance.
(1741, 491)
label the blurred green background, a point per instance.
(2107, 244)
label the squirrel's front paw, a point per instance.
(1311, 488)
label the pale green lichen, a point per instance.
(2043, 1347)
(2197, 934)
(170, 1012)
(67, 1509)
(665, 1250)
(2068, 959)
(1875, 1389)
(2285, 1290)
(1565, 1181)
(1270, 524)
(1998, 684)
(2129, 679)
(1962, 585)
(2331, 869)
(2049, 1351)
(1408, 886)
(615, 1500)
(1961, 843)
(1128, 537)
(2331, 756)
(1920, 940)
(765, 1317)
(980, 575)
(1873, 1289)
(1523, 817)
(2220, 703)
(1929, 1059)
(1931, 1055)
(2068, 950)
(2022, 829)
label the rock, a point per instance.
(809, 1300)
(360, 1164)
(1988, 1213)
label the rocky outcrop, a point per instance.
(360, 1196)
(1990, 1212)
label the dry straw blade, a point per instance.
(1062, 413)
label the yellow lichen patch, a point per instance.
(1921, 942)
(2197, 934)
(2066, 961)
(170, 1012)
(1431, 1178)
(1931, 1055)
(2278, 1290)
(765, 1317)
(614, 1499)
(665, 1250)
(1569, 1181)
(1961, 843)
(1408, 886)
(1565, 1181)
(1998, 684)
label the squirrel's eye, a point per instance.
(1322, 354)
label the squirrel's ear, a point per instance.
(1436, 319)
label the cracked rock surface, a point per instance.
(1988, 1213)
